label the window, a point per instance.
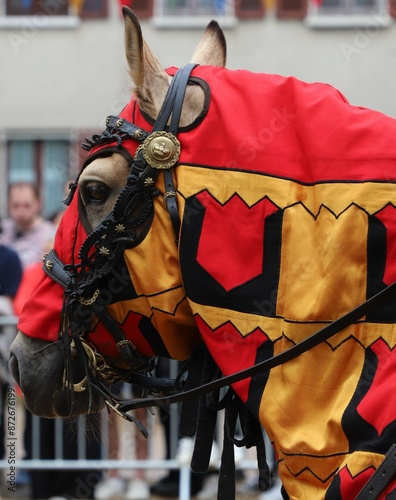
(193, 13)
(142, 8)
(84, 8)
(348, 6)
(183, 9)
(338, 13)
(349, 13)
(291, 9)
(91, 9)
(32, 7)
(249, 9)
(180, 8)
(46, 163)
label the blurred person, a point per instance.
(169, 485)
(138, 488)
(10, 278)
(33, 271)
(113, 485)
(71, 483)
(45, 483)
(25, 230)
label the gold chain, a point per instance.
(98, 365)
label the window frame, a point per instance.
(167, 20)
(377, 16)
(43, 16)
(100, 13)
(39, 165)
(315, 16)
(38, 6)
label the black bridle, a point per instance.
(123, 228)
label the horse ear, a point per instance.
(151, 81)
(212, 49)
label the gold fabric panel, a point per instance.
(323, 263)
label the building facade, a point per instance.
(63, 67)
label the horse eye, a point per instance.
(96, 192)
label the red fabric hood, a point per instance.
(40, 316)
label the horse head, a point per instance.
(230, 213)
(43, 358)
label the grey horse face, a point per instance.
(38, 368)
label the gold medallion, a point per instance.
(161, 150)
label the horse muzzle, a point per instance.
(38, 368)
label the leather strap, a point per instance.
(124, 129)
(183, 76)
(170, 203)
(381, 478)
(54, 268)
(176, 98)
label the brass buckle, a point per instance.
(166, 196)
(115, 409)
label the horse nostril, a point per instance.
(14, 368)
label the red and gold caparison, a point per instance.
(288, 206)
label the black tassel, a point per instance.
(72, 190)
(76, 363)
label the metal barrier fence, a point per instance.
(16, 439)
